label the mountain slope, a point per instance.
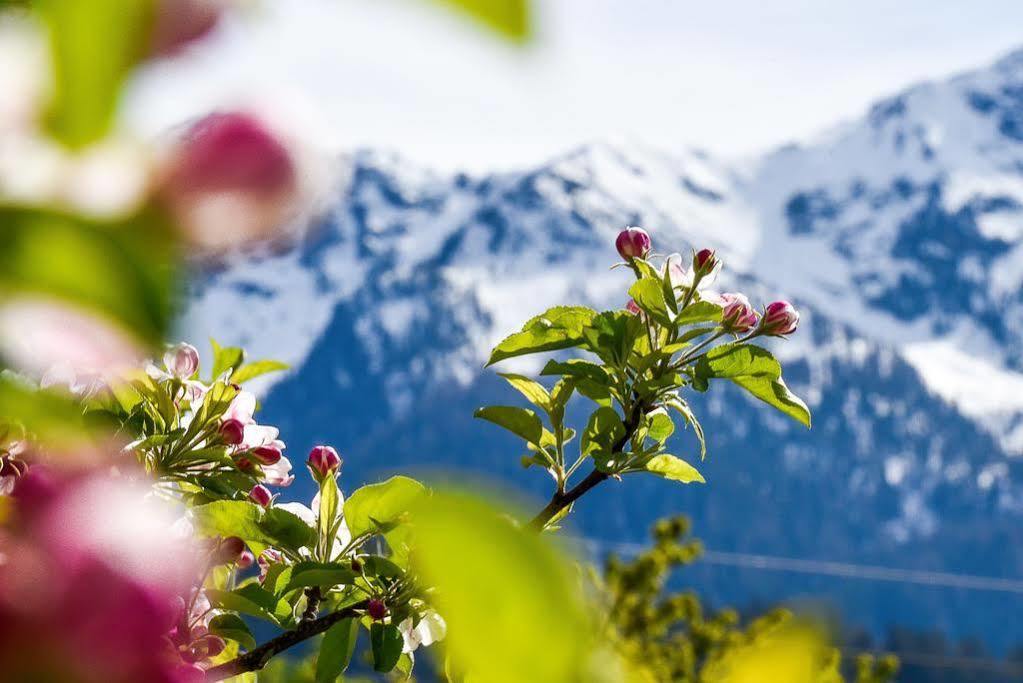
(896, 235)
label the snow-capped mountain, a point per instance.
(900, 236)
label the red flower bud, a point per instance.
(261, 495)
(633, 243)
(232, 432)
(737, 315)
(704, 262)
(633, 308)
(323, 460)
(780, 318)
(245, 560)
(181, 360)
(376, 609)
(265, 455)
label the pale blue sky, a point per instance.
(733, 76)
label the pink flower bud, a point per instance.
(633, 308)
(633, 243)
(780, 318)
(261, 495)
(737, 315)
(245, 560)
(705, 262)
(376, 609)
(267, 558)
(228, 550)
(231, 181)
(181, 361)
(180, 22)
(265, 455)
(323, 460)
(232, 432)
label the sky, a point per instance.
(735, 78)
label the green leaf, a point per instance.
(374, 565)
(699, 312)
(534, 392)
(256, 369)
(383, 503)
(519, 421)
(94, 44)
(511, 601)
(251, 522)
(575, 367)
(686, 412)
(612, 335)
(253, 600)
(676, 469)
(387, 643)
(328, 521)
(648, 293)
(336, 650)
(508, 17)
(757, 371)
(232, 627)
(322, 574)
(225, 358)
(660, 426)
(557, 328)
(603, 429)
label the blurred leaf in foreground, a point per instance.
(512, 603)
(509, 17)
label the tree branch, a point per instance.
(256, 659)
(560, 500)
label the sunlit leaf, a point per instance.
(381, 504)
(256, 369)
(519, 421)
(676, 469)
(560, 327)
(386, 642)
(336, 650)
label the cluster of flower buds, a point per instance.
(255, 445)
(323, 462)
(780, 318)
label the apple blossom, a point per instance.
(279, 473)
(246, 559)
(780, 318)
(633, 243)
(737, 315)
(430, 629)
(181, 360)
(633, 308)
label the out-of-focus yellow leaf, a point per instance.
(94, 44)
(512, 605)
(509, 17)
(122, 270)
(794, 654)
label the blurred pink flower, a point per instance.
(231, 180)
(38, 333)
(83, 597)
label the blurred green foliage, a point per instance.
(672, 635)
(511, 18)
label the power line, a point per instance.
(845, 570)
